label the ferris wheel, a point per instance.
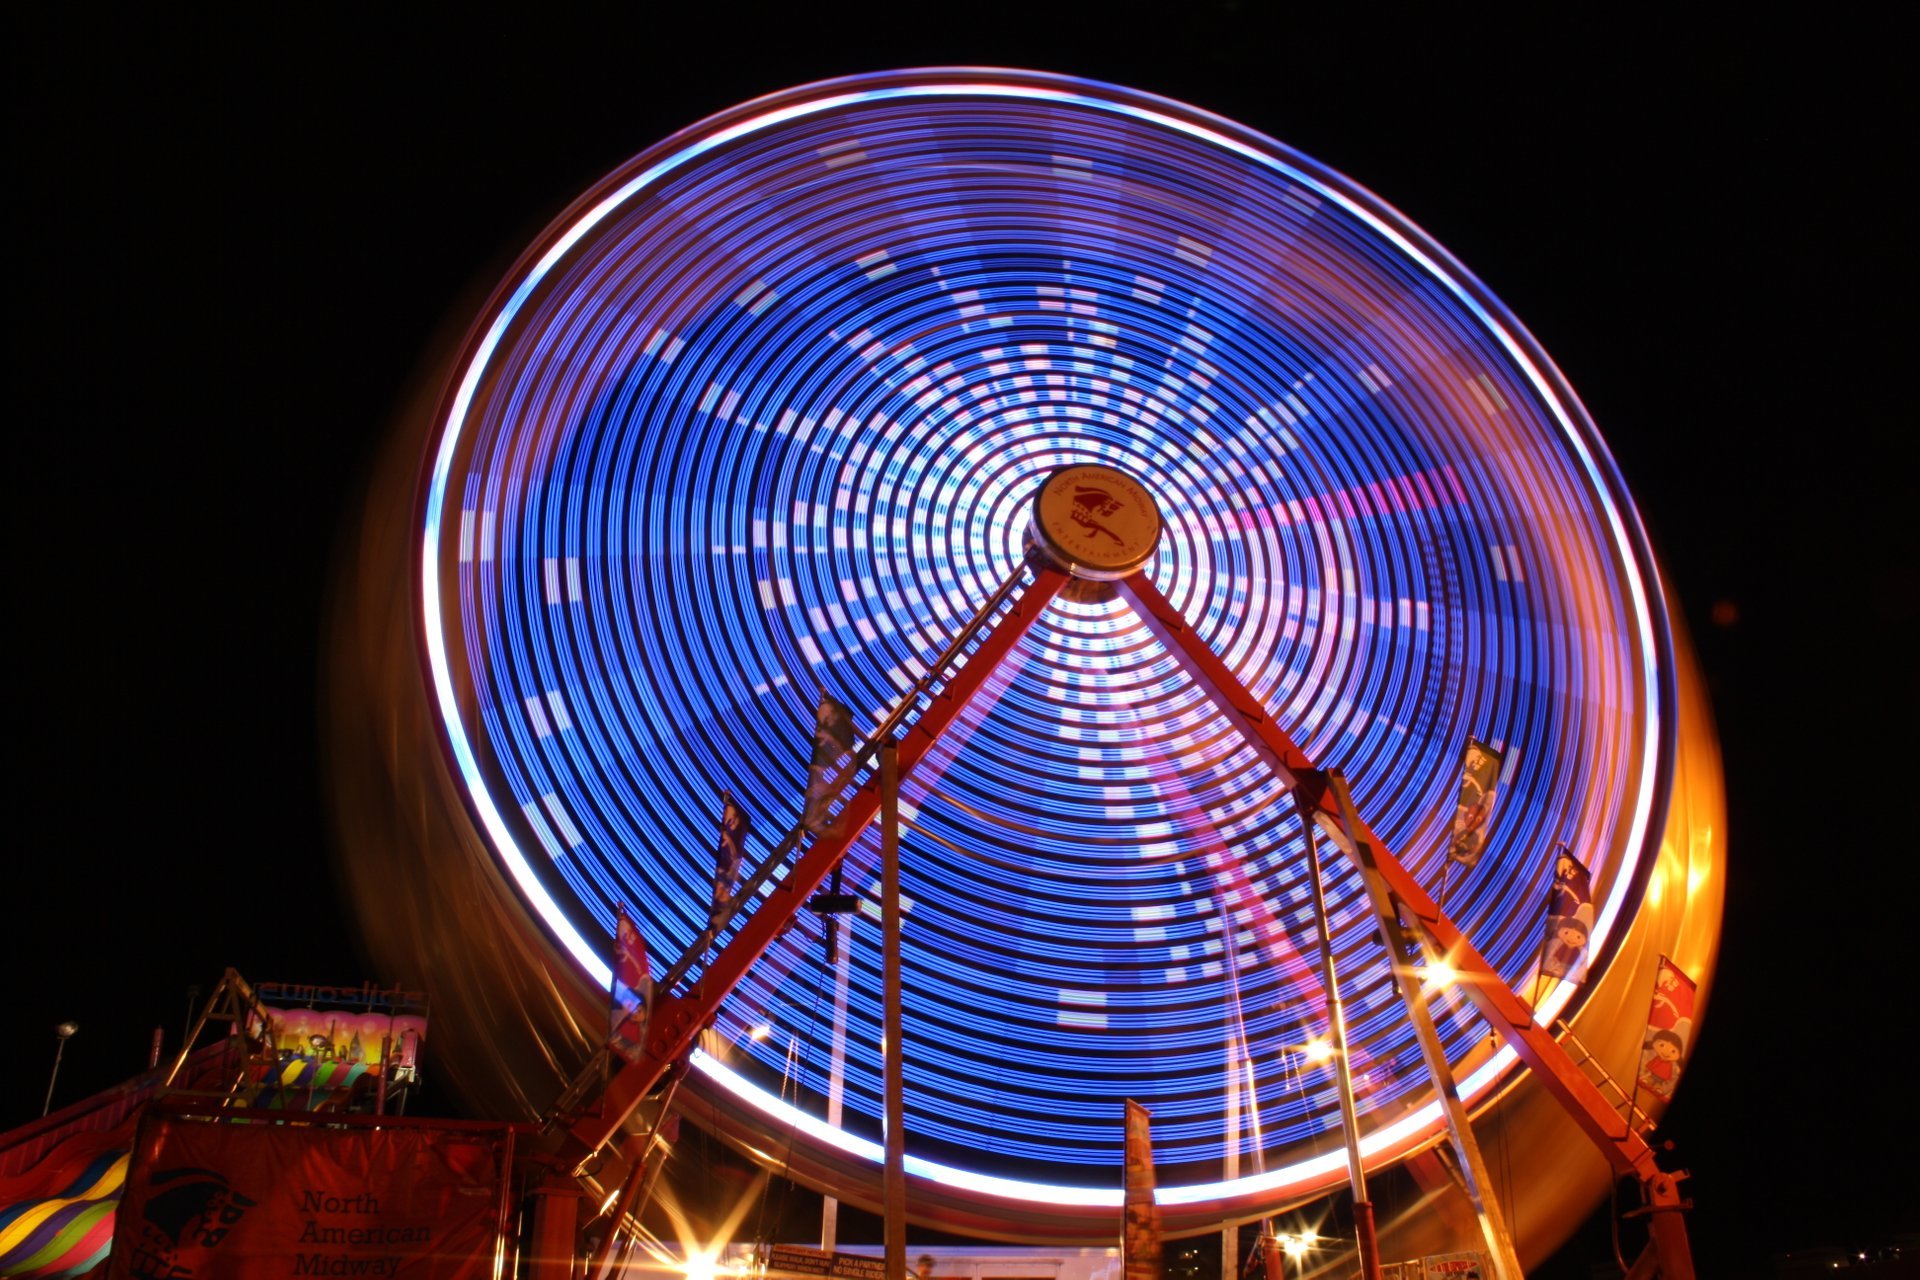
(762, 419)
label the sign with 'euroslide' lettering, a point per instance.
(221, 1201)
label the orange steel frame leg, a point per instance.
(1504, 1011)
(678, 1018)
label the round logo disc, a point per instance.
(1096, 522)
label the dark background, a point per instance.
(235, 242)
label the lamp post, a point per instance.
(61, 1034)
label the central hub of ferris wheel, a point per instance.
(1096, 522)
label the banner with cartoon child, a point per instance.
(1569, 921)
(1669, 1030)
(832, 739)
(1473, 802)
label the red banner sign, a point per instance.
(221, 1201)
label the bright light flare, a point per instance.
(699, 1256)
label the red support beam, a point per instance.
(1503, 1010)
(678, 1018)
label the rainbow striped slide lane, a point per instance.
(304, 1083)
(56, 1220)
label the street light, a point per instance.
(61, 1034)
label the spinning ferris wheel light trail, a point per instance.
(765, 413)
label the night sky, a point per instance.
(236, 244)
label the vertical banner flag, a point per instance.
(729, 855)
(1669, 1030)
(832, 739)
(1479, 775)
(1140, 1257)
(632, 987)
(1569, 919)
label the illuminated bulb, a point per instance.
(1317, 1051)
(761, 1030)
(1441, 975)
(703, 1265)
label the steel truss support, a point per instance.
(1505, 1012)
(1365, 1236)
(1479, 1185)
(681, 1014)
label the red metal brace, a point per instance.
(678, 1018)
(1503, 1010)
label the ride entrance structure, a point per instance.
(1178, 504)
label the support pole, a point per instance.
(1230, 1231)
(1238, 1090)
(504, 1252)
(1270, 1257)
(556, 1229)
(386, 1072)
(602, 1265)
(837, 1066)
(1343, 1067)
(895, 1202)
(1479, 1185)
